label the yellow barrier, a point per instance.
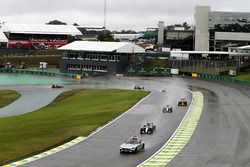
(78, 77)
(194, 75)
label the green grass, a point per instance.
(151, 63)
(245, 77)
(73, 113)
(32, 61)
(207, 70)
(7, 97)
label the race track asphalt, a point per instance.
(220, 140)
(222, 136)
(102, 149)
(32, 98)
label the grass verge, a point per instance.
(151, 63)
(245, 77)
(207, 70)
(73, 113)
(31, 61)
(7, 97)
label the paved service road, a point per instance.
(102, 149)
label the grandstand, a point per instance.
(32, 36)
(3, 40)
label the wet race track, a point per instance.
(221, 138)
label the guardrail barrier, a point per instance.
(223, 78)
(37, 72)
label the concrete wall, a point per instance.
(202, 28)
(161, 32)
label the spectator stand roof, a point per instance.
(3, 38)
(244, 47)
(95, 46)
(41, 29)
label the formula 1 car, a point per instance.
(132, 145)
(148, 128)
(167, 109)
(138, 87)
(164, 90)
(182, 102)
(56, 86)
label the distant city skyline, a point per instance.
(128, 15)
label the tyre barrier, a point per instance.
(37, 72)
(222, 78)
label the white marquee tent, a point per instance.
(94, 46)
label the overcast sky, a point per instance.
(121, 14)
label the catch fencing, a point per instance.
(37, 72)
(223, 78)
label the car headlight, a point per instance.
(133, 148)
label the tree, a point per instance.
(56, 22)
(105, 36)
(217, 27)
(128, 32)
(185, 24)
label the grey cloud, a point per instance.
(121, 14)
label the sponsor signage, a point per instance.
(36, 44)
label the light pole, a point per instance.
(105, 14)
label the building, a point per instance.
(127, 37)
(201, 16)
(175, 36)
(218, 31)
(3, 40)
(90, 33)
(35, 36)
(179, 38)
(93, 57)
(160, 33)
(150, 34)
